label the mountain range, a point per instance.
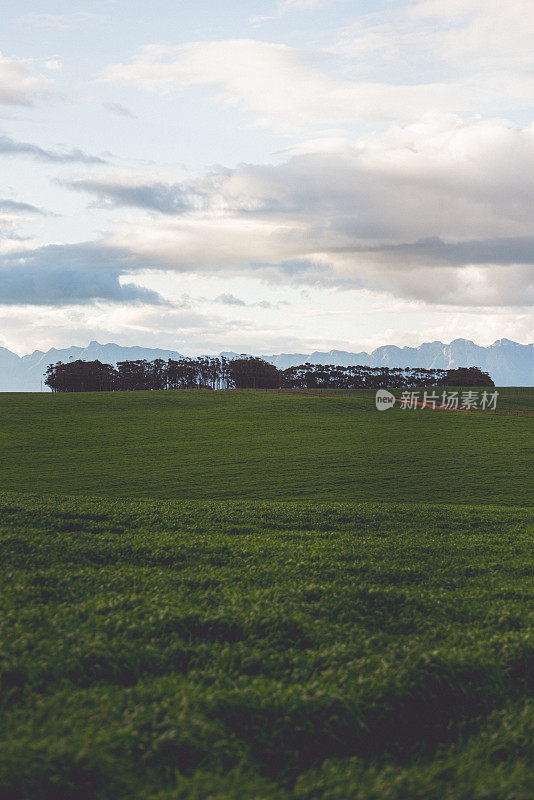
(509, 363)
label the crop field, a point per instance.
(264, 596)
(264, 445)
(155, 650)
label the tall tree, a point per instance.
(253, 373)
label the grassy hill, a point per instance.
(263, 445)
(356, 626)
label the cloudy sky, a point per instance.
(266, 177)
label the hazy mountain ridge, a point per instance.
(24, 374)
(509, 363)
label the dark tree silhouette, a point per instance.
(81, 376)
(253, 373)
(246, 373)
(467, 376)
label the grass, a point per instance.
(265, 650)
(263, 445)
(264, 596)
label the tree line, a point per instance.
(245, 373)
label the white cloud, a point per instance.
(441, 211)
(484, 46)
(280, 83)
(394, 64)
(54, 64)
(439, 177)
(18, 84)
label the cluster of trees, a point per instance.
(319, 376)
(468, 376)
(307, 376)
(185, 373)
(245, 373)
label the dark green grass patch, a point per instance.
(265, 650)
(263, 445)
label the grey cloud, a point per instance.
(495, 286)
(297, 269)
(9, 146)
(352, 195)
(229, 300)
(433, 250)
(60, 286)
(402, 187)
(85, 255)
(395, 272)
(15, 207)
(487, 272)
(119, 110)
(355, 217)
(232, 300)
(162, 197)
(58, 275)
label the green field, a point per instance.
(263, 445)
(252, 595)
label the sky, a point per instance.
(266, 177)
